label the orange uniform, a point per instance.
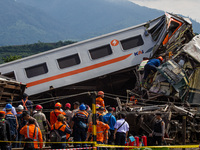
(38, 134)
(101, 128)
(63, 128)
(100, 102)
(54, 114)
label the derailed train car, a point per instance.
(104, 62)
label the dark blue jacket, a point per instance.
(13, 124)
(154, 62)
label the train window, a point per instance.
(36, 70)
(10, 75)
(132, 42)
(100, 52)
(68, 61)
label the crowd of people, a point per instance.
(24, 124)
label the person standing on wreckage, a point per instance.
(158, 130)
(150, 67)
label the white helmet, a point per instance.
(20, 107)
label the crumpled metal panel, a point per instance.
(174, 74)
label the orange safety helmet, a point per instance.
(160, 57)
(100, 93)
(68, 105)
(38, 107)
(58, 105)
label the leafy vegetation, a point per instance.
(10, 53)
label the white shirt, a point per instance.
(13, 111)
(124, 128)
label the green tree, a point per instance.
(11, 58)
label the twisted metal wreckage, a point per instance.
(173, 91)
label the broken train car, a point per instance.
(102, 63)
(174, 92)
(179, 77)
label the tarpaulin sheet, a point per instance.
(193, 48)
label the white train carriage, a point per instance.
(87, 59)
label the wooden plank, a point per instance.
(12, 87)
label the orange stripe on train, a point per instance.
(78, 71)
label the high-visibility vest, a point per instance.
(24, 104)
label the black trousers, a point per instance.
(111, 137)
(157, 139)
(120, 139)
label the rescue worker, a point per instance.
(27, 104)
(41, 119)
(158, 130)
(54, 114)
(21, 123)
(152, 66)
(110, 120)
(13, 110)
(121, 130)
(5, 134)
(30, 131)
(12, 119)
(79, 125)
(26, 116)
(100, 111)
(99, 99)
(76, 108)
(68, 113)
(141, 68)
(102, 131)
(63, 128)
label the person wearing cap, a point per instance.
(110, 120)
(41, 119)
(63, 130)
(21, 123)
(99, 99)
(68, 113)
(12, 119)
(27, 104)
(31, 131)
(102, 131)
(54, 114)
(158, 130)
(100, 111)
(152, 66)
(76, 108)
(5, 134)
(121, 130)
(13, 110)
(79, 125)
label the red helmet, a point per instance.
(38, 107)
(160, 57)
(58, 105)
(68, 105)
(100, 93)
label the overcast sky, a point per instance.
(187, 8)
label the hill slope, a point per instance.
(31, 21)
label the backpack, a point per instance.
(54, 135)
(3, 136)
